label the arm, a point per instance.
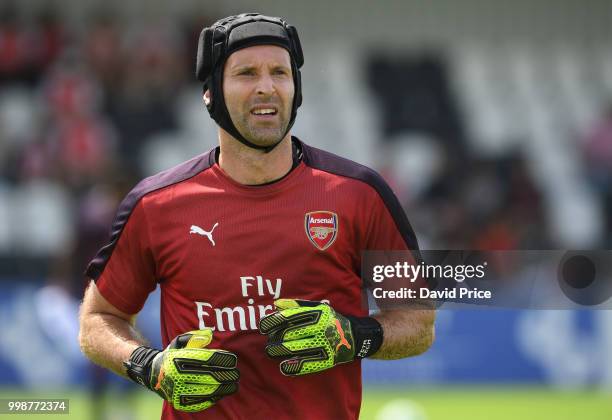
(310, 336)
(407, 332)
(107, 335)
(408, 324)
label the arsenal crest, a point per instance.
(321, 228)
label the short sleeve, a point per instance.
(389, 231)
(124, 269)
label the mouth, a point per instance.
(263, 111)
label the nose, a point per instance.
(265, 85)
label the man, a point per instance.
(246, 242)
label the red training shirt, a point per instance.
(300, 237)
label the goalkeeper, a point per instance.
(246, 242)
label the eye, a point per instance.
(247, 72)
(280, 71)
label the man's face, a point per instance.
(258, 91)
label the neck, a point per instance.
(249, 166)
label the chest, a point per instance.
(234, 248)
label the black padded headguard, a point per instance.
(230, 34)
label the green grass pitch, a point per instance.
(457, 403)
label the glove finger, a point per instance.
(215, 392)
(281, 304)
(205, 390)
(201, 364)
(210, 375)
(272, 322)
(207, 357)
(308, 303)
(288, 318)
(304, 364)
(191, 397)
(193, 403)
(292, 348)
(197, 339)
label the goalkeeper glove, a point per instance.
(186, 374)
(312, 337)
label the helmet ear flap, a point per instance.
(204, 61)
(298, 88)
(297, 47)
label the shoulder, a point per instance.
(159, 182)
(128, 206)
(342, 167)
(376, 186)
(165, 179)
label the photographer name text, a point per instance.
(423, 272)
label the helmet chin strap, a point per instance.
(235, 134)
(265, 149)
(233, 131)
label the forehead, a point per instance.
(258, 55)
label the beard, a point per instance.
(262, 133)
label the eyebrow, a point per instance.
(245, 67)
(242, 67)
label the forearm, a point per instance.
(108, 340)
(407, 332)
(106, 336)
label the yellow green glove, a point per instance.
(312, 336)
(188, 375)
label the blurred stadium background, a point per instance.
(491, 120)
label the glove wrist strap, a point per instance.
(368, 335)
(138, 367)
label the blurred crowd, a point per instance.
(467, 201)
(77, 105)
(80, 103)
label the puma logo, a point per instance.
(200, 231)
(343, 340)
